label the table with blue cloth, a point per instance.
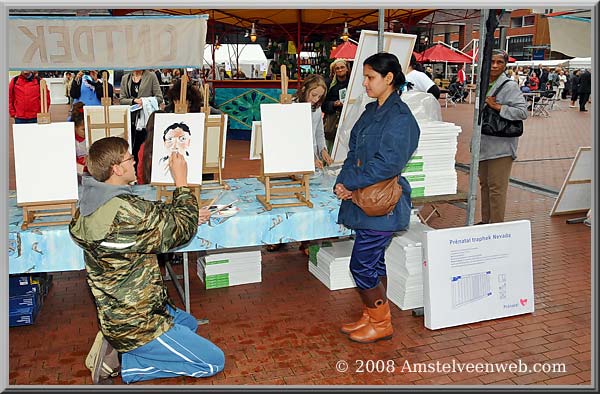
(50, 248)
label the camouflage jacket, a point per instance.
(120, 240)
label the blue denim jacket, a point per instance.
(382, 141)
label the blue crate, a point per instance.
(22, 316)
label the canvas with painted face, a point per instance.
(183, 133)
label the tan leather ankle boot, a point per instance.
(360, 323)
(379, 326)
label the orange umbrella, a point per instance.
(346, 51)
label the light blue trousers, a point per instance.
(177, 352)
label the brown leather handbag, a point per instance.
(379, 198)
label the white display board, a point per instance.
(287, 138)
(576, 191)
(116, 114)
(170, 134)
(45, 166)
(400, 45)
(212, 142)
(256, 140)
(477, 273)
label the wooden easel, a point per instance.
(35, 210)
(106, 102)
(180, 108)
(216, 171)
(284, 185)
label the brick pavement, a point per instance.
(272, 336)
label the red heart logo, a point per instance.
(425, 263)
(523, 301)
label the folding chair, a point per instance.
(541, 106)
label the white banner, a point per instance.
(61, 43)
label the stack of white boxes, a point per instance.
(333, 265)
(404, 260)
(239, 267)
(430, 171)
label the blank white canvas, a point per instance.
(256, 140)
(575, 197)
(160, 155)
(400, 45)
(45, 166)
(212, 142)
(287, 138)
(116, 114)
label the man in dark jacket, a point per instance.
(585, 89)
(24, 101)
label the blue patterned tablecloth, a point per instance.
(50, 248)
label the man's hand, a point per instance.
(342, 193)
(138, 101)
(338, 103)
(178, 167)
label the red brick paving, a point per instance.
(272, 336)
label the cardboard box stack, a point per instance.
(430, 171)
(332, 265)
(26, 297)
(233, 268)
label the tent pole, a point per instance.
(381, 22)
(298, 47)
(476, 137)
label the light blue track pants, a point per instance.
(177, 352)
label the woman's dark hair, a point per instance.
(193, 95)
(77, 113)
(148, 147)
(385, 63)
(500, 52)
(415, 64)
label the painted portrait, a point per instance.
(182, 133)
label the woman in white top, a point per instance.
(419, 80)
(313, 91)
(562, 80)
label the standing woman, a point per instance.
(135, 86)
(496, 154)
(339, 74)
(381, 143)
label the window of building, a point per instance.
(529, 20)
(516, 47)
(516, 22)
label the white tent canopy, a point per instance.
(580, 62)
(535, 63)
(250, 57)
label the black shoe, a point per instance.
(583, 110)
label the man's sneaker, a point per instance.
(102, 361)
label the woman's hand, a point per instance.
(326, 157)
(491, 102)
(203, 215)
(338, 103)
(318, 164)
(342, 193)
